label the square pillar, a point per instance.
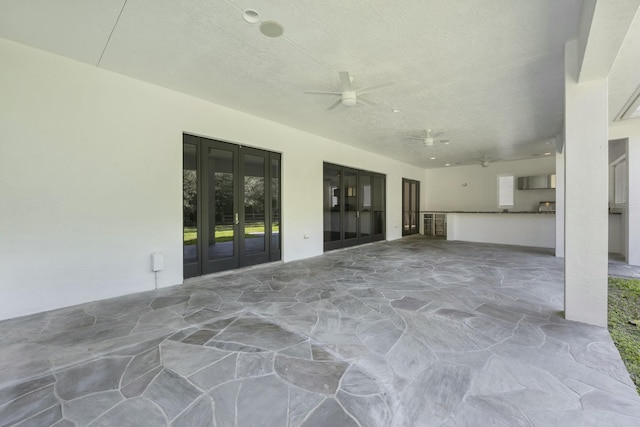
(559, 196)
(586, 194)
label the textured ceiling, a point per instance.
(488, 74)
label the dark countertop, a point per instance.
(500, 212)
(492, 212)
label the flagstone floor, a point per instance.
(413, 332)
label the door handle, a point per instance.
(237, 220)
(357, 214)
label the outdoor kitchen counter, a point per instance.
(490, 212)
(509, 228)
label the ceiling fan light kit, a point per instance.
(349, 98)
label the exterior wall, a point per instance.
(91, 179)
(444, 190)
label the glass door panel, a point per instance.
(331, 205)
(275, 209)
(365, 207)
(222, 209)
(406, 206)
(413, 216)
(254, 204)
(378, 207)
(350, 218)
(190, 210)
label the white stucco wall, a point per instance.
(443, 189)
(91, 179)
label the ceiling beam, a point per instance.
(603, 27)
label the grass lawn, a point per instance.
(624, 322)
(224, 233)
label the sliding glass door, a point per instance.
(231, 206)
(354, 206)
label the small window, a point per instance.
(506, 191)
(620, 186)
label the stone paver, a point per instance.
(414, 332)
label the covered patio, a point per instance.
(413, 332)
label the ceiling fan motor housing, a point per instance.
(349, 98)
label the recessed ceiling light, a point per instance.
(447, 164)
(271, 29)
(251, 16)
(445, 141)
(547, 154)
(432, 158)
(396, 110)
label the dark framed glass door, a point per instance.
(350, 213)
(353, 206)
(231, 206)
(410, 206)
(379, 205)
(220, 206)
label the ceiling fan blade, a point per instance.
(320, 92)
(366, 101)
(335, 104)
(376, 87)
(345, 80)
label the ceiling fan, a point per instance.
(429, 138)
(485, 161)
(349, 96)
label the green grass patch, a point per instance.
(624, 323)
(224, 233)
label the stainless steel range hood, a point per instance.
(537, 182)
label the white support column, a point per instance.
(633, 206)
(586, 194)
(559, 196)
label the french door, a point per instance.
(410, 206)
(354, 206)
(231, 206)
